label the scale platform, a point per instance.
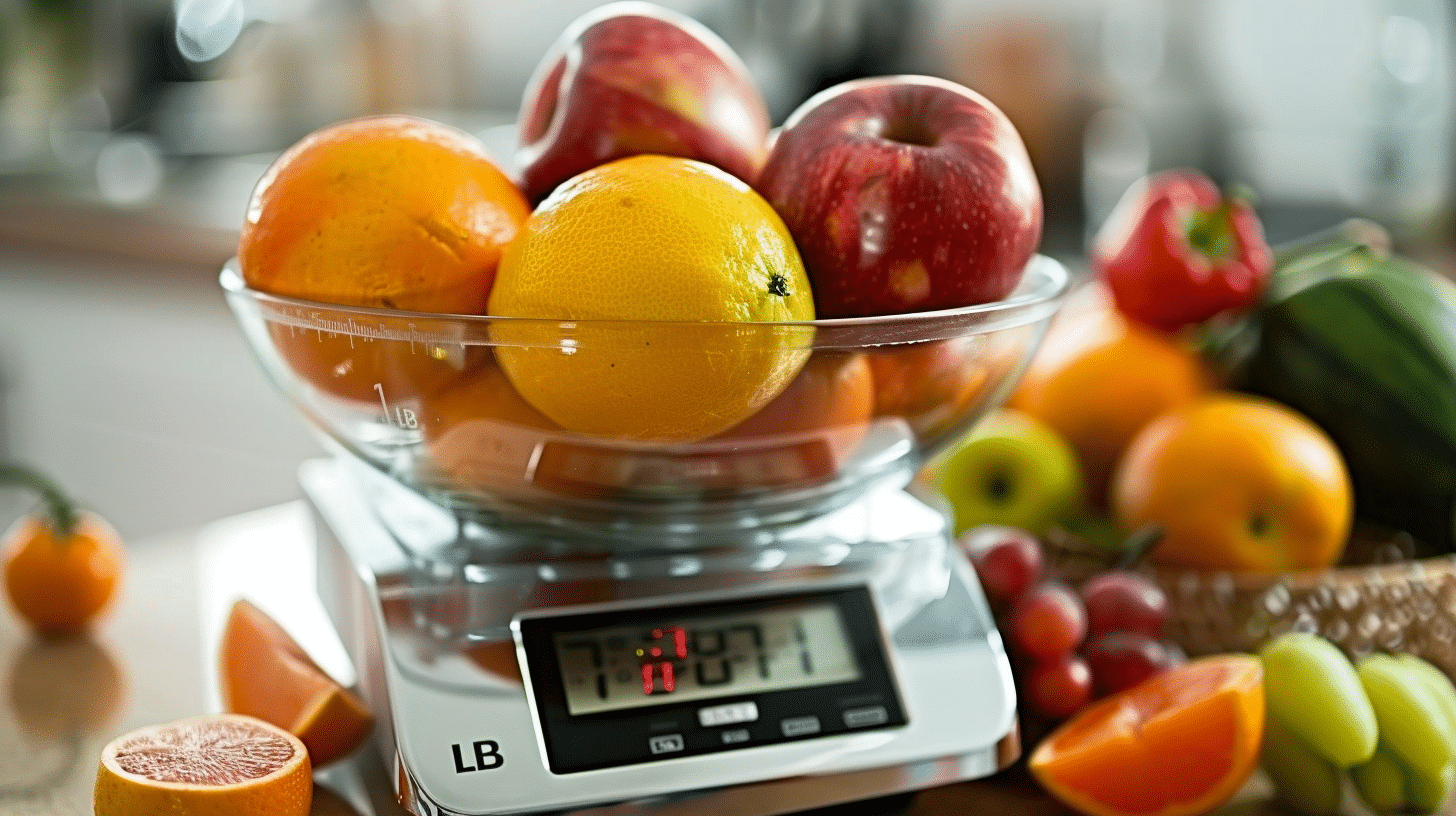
(845, 658)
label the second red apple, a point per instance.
(904, 194)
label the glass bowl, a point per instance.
(426, 400)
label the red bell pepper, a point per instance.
(1176, 251)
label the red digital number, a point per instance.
(650, 673)
(655, 668)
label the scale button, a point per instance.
(666, 743)
(866, 716)
(799, 726)
(735, 735)
(728, 714)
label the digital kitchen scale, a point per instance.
(866, 668)
(548, 623)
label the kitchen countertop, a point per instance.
(149, 661)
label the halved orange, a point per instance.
(217, 765)
(265, 673)
(1181, 743)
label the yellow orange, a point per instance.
(1097, 379)
(691, 261)
(1179, 744)
(393, 212)
(218, 765)
(265, 673)
(1237, 483)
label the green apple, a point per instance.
(1011, 469)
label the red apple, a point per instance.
(630, 78)
(904, 194)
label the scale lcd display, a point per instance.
(769, 648)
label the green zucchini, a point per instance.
(1364, 343)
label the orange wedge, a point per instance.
(1179, 744)
(219, 765)
(265, 673)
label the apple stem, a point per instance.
(1138, 545)
(60, 510)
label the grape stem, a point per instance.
(60, 510)
(1138, 545)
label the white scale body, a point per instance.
(463, 663)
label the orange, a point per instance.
(60, 584)
(394, 212)
(264, 673)
(366, 370)
(1178, 744)
(482, 436)
(218, 765)
(807, 432)
(689, 262)
(930, 385)
(1097, 379)
(1237, 483)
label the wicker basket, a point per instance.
(1380, 599)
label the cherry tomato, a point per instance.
(62, 565)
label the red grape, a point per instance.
(1048, 621)
(1007, 560)
(1059, 687)
(1122, 601)
(1121, 660)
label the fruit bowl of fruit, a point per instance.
(659, 313)
(429, 400)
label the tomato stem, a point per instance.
(1211, 232)
(60, 509)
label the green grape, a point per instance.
(1436, 681)
(1380, 781)
(1413, 723)
(1315, 691)
(1388, 784)
(1304, 779)
(1424, 792)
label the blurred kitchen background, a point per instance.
(131, 132)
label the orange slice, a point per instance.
(218, 765)
(264, 673)
(1181, 743)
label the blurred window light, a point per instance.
(1302, 63)
(1133, 42)
(277, 11)
(80, 128)
(1407, 49)
(1117, 151)
(129, 169)
(207, 28)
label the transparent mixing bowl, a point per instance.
(428, 400)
